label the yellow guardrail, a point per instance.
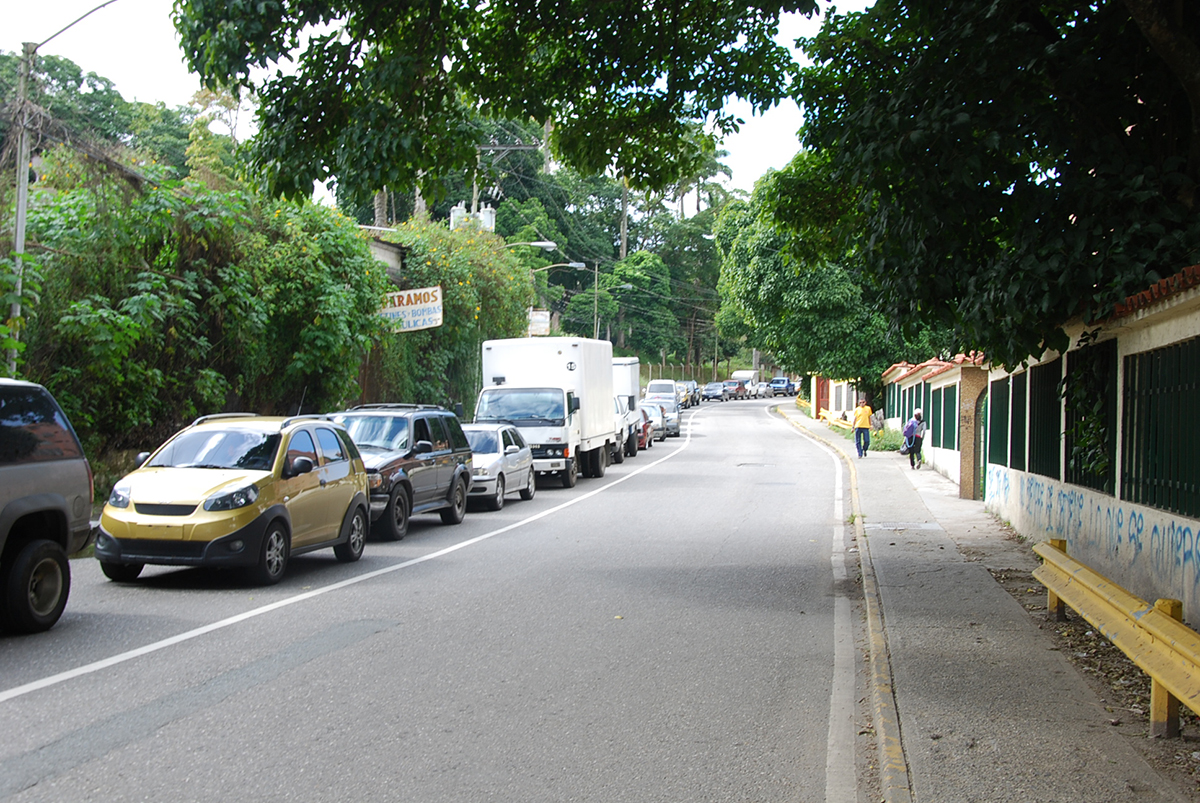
(1152, 636)
(833, 419)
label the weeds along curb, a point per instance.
(893, 766)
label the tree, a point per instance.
(382, 93)
(802, 303)
(1014, 164)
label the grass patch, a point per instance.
(884, 440)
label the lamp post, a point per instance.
(545, 245)
(575, 265)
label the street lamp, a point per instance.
(545, 245)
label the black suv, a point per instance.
(418, 461)
(45, 506)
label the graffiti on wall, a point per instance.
(1115, 537)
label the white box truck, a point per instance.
(558, 392)
(627, 380)
(749, 378)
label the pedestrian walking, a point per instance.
(862, 426)
(914, 436)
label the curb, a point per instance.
(893, 769)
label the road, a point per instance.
(679, 630)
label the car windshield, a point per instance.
(521, 404)
(482, 442)
(219, 448)
(713, 386)
(377, 431)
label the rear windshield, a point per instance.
(219, 448)
(377, 431)
(482, 442)
(33, 429)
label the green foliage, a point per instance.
(384, 94)
(162, 305)
(1012, 164)
(486, 292)
(802, 304)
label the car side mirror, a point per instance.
(301, 465)
(512, 448)
(141, 458)
(574, 404)
(423, 447)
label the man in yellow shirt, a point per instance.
(862, 426)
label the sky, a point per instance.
(134, 45)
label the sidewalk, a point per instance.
(987, 709)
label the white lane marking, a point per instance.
(105, 663)
(841, 783)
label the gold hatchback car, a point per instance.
(238, 490)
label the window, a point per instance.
(935, 419)
(1159, 440)
(331, 447)
(998, 423)
(1016, 442)
(1045, 422)
(301, 445)
(950, 417)
(458, 439)
(421, 431)
(1091, 408)
(33, 429)
(441, 443)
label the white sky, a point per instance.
(133, 44)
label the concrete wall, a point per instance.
(973, 382)
(1150, 552)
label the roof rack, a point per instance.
(215, 416)
(397, 406)
(287, 422)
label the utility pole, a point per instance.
(22, 120)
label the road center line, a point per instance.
(105, 663)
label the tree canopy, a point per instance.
(383, 93)
(1013, 164)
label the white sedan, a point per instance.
(502, 464)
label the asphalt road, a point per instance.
(676, 631)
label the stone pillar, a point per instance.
(974, 381)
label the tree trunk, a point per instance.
(381, 208)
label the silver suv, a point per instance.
(45, 505)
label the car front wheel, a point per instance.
(36, 587)
(570, 474)
(497, 501)
(356, 541)
(395, 516)
(458, 504)
(273, 558)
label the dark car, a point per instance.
(716, 390)
(45, 506)
(418, 461)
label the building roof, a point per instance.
(1160, 291)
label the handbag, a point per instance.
(907, 447)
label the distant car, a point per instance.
(46, 491)
(658, 421)
(782, 385)
(418, 461)
(502, 463)
(764, 390)
(717, 391)
(736, 389)
(237, 489)
(692, 389)
(645, 432)
(663, 388)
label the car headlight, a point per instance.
(374, 480)
(480, 471)
(120, 495)
(232, 500)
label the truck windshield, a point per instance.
(539, 405)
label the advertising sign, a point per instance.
(409, 310)
(539, 322)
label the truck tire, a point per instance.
(618, 454)
(570, 474)
(599, 461)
